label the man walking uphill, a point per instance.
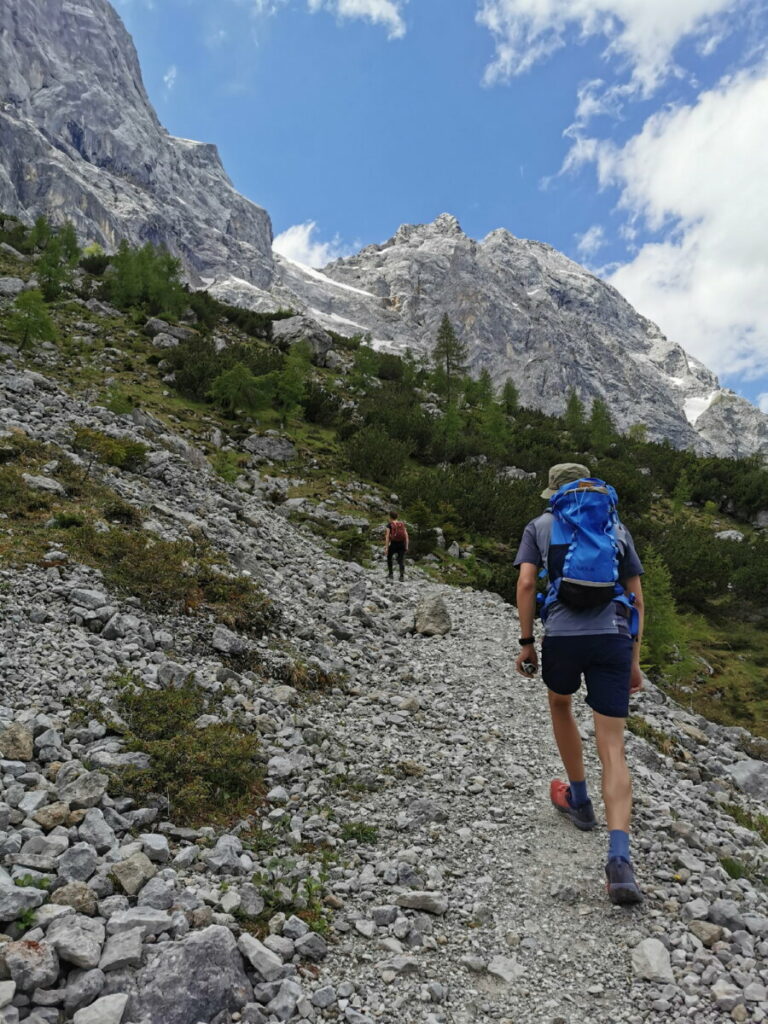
(396, 544)
(593, 617)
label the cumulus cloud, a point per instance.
(641, 33)
(299, 243)
(695, 178)
(383, 12)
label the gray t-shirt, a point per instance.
(564, 621)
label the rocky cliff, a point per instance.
(528, 313)
(80, 140)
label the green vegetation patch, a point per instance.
(757, 823)
(657, 737)
(359, 832)
(121, 452)
(207, 775)
(174, 575)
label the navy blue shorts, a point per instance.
(604, 661)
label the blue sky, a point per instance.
(630, 134)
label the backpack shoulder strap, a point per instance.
(543, 528)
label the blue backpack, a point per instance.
(583, 552)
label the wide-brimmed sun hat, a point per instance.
(563, 473)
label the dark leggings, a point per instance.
(396, 549)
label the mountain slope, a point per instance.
(529, 313)
(79, 139)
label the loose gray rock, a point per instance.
(31, 964)
(650, 961)
(432, 617)
(191, 980)
(107, 1010)
(751, 776)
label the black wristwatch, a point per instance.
(525, 641)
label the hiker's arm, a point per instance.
(386, 538)
(526, 611)
(407, 539)
(634, 586)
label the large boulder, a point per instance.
(751, 777)
(295, 329)
(270, 446)
(186, 982)
(432, 617)
(11, 286)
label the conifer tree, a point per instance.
(40, 233)
(602, 431)
(52, 269)
(450, 358)
(662, 632)
(29, 321)
(289, 383)
(682, 492)
(237, 388)
(510, 400)
(70, 248)
(494, 431)
(574, 414)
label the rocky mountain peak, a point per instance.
(445, 225)
(80, 139)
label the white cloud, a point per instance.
(383, 12)
(169, 78)
(696, 176)
(591, 241)
(640, 33)
(298, 243)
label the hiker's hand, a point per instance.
(635, 679)
(527, 654)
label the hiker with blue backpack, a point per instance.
(593, 621)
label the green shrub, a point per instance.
(121, 452)
(160, 573)
(68, 520)
(662, 632)
(29, 321)
(320, 405)
(16, 498)
(235, 601)
(95, 263)
(372, 453)
(118, 402)
(207, 775)
(352, 544)
(118, 511)
(146, 279)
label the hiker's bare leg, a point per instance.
(617, 785)
(567, 735)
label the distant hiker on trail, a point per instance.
(593, 623)
(396, 543)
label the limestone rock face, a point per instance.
(529, 314)
(80, 140)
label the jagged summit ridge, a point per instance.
(529, 313)
(80, 139)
